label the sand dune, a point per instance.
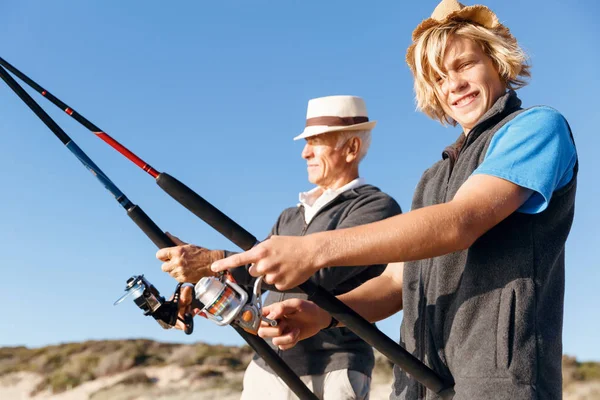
(147, 370)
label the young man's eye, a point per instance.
(466, 64)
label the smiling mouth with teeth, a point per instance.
(465, 100)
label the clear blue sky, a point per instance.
(213, 92)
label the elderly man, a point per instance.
(335, 364)
(483, 248)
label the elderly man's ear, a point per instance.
(352, 149)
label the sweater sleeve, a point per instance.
(371, 208)
(366, 209)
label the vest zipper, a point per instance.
(422, 311)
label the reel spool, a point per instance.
(226, 303)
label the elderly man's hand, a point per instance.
(296, 320)
(187, 262)
(285, 261)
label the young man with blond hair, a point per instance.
(480, 273)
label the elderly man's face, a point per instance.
(472, 84)
(325, 163)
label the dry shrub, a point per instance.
(136, 378)
(205, 373)
(114, 363)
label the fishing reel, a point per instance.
(227, 303)
(220, 300)
(149, 300)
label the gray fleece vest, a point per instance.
(489, 318)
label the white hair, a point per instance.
(363, 135)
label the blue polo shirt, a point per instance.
(535, 151)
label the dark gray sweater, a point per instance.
(338, 348)
(489, 317)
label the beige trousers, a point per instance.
(335, 385)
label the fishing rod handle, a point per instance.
(206, 211)
(145, 223)
(372, 335)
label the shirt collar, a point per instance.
(309, 198)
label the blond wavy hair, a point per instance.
(510, 60)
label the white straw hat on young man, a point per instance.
(335, 113)
(452, 10)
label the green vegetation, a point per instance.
(68, 365)
(136, 378)
(589, 371)
(575, 371)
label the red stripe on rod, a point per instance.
(44, 93)
(125, 151)
(69, 111)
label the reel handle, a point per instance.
(188, 320)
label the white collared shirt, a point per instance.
(317, 198)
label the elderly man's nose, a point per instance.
(307, 151)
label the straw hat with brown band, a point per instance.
(452, 10)
(334, 114)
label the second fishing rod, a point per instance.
(242, 238)
(165, 312)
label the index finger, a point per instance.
(164, 254)
(281, 309)
(236, 260)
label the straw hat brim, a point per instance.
(478, 14)
(320, 129)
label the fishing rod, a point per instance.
(168, 316)
(180, 192)
(245, 240)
